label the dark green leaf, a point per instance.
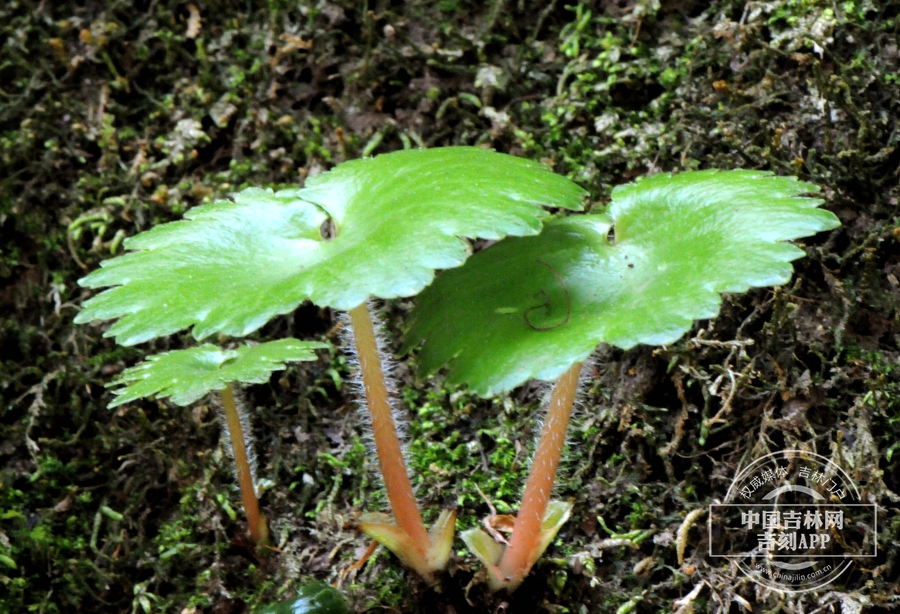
(315, 598)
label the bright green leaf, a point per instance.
(531, 307)
(231, 266)
(187, 375)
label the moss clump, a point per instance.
(112, 114)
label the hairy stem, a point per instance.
(259, 530)
(393, 469)
(518, 558)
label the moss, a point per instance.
(90, 152)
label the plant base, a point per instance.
(489, 551)
(427, 562)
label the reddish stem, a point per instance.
(396, 480)
(518, 556)
(259, 530)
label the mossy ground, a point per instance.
(118, 115)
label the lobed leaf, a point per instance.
(187, 375)
(233, 265)
(531, 307)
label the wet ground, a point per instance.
(115, 116)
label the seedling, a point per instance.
(187, 375)
(640, 272)
(375, 227)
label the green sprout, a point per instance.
(370, 228)
(639, 273)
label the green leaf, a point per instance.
(531, 307)
(231, 266)
(8, 561)
(187, 375)
(315, 598)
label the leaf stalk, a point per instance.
(259, 529)
(390, 456)
(525, 544)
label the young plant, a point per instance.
(187, 375)
(375, 227)
(641, 272)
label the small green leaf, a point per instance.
(315, 598)
(531, 307)
(9, 562)
(231, 266)
(226, 506)
(187, 375)
(111, 513)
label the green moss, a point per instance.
(89, 101)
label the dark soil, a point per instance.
(117, 115)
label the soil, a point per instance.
(117, 115)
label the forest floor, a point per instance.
(120, 114)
